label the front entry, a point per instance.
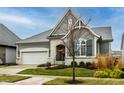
(60, 53)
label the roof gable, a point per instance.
(7, 37)
(62, 26)
(80, 29)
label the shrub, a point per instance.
(116, 73)
(41, 65)
(116, 61)
(122, 75)
(102, 73)
(74, 63)
(93, 65)
(107, 73)
(48, 64)
(101, 62)
(119, 65)
(82, 64)
(88, 65)
(59, 66)
(109, 62)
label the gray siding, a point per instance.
(33, 45)
(10, 55)
(105, 47)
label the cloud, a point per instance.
(15, 18)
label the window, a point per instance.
(81, 48)
(84, 48)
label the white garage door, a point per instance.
(34, 57)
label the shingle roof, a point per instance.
(42, 37)
(7, 37)
(104, 32)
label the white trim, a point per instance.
(82, 27)
(89, 29)
(95, 50)
(60, 34)
(85, 57)
(33, 49)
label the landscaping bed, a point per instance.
(64, 81)
(12, 78)
(80, 72)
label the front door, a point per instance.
(60, 53)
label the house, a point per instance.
(116, 54)
(122, 47)
(7, 45)
(48, 45)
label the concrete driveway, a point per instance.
(34, 80)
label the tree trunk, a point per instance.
(73, 68)
(73, 52)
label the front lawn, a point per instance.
(80, 72)
(63, 81)
(2, 66)
(12, 78)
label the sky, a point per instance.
(25, 22)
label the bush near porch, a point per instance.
(104, 61)
(107, 73)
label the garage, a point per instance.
(34, 57)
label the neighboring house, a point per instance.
(48, 46)
(7, 45)
(116, 54)
(122, 47)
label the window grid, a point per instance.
(81, 46)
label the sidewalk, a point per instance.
(34, 81)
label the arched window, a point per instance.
(83, 42)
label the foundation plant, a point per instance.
(109, 67)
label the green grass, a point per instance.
(63, 81)
(1, 66)
(80, 72)
(12, 78)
